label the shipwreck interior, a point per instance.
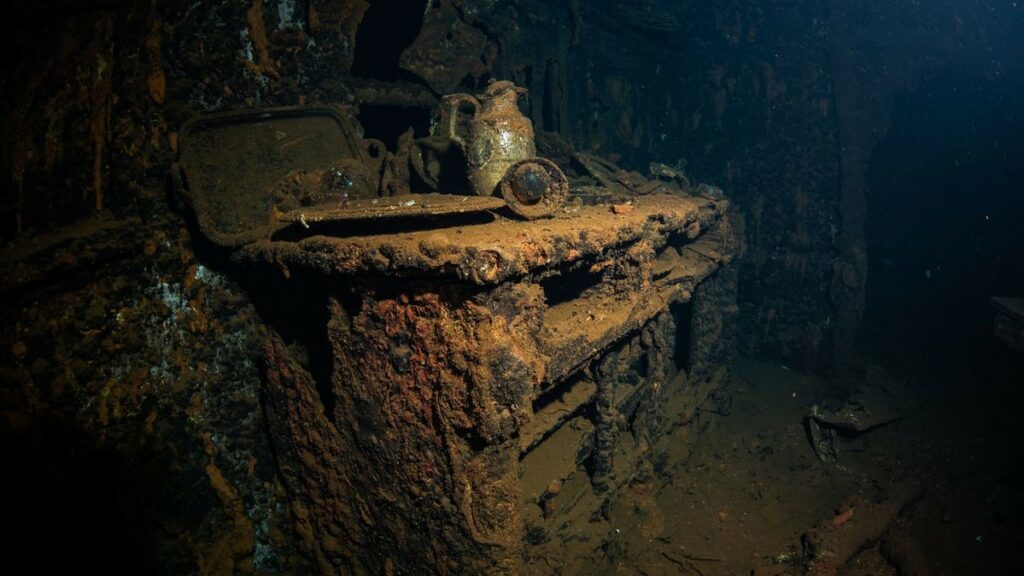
(512, 287)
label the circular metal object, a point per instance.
(534, 188)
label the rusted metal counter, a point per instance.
(459, 352)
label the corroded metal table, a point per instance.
(457, 353)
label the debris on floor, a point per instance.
(867, 410)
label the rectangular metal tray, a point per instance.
(229, 162)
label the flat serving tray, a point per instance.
(411, 205)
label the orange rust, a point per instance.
(233, 546)
(843, 517)
(264, 65)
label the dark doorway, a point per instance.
(388, 28)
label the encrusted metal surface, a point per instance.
(458, 352)
(495, 252)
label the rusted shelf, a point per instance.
(556, 412)
(494, 252)
(577, 330)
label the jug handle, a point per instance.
(454, 102)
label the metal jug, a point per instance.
(491, 131)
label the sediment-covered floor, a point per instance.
(742, 493)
